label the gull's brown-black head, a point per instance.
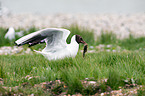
(79, 40)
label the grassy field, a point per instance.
(116, 67)
(28, 74)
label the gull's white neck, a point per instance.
(73, 46)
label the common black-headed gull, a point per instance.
(11, 33)
(55, 39)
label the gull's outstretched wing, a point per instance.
(55, 38)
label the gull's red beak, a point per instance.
(83, 42)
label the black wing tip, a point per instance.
(17, 44)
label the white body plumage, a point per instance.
(70, 50)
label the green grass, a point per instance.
(114, 66)
(117, 67)
(133, 43)
(141, 91)
(107, 38)
(130, 43)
